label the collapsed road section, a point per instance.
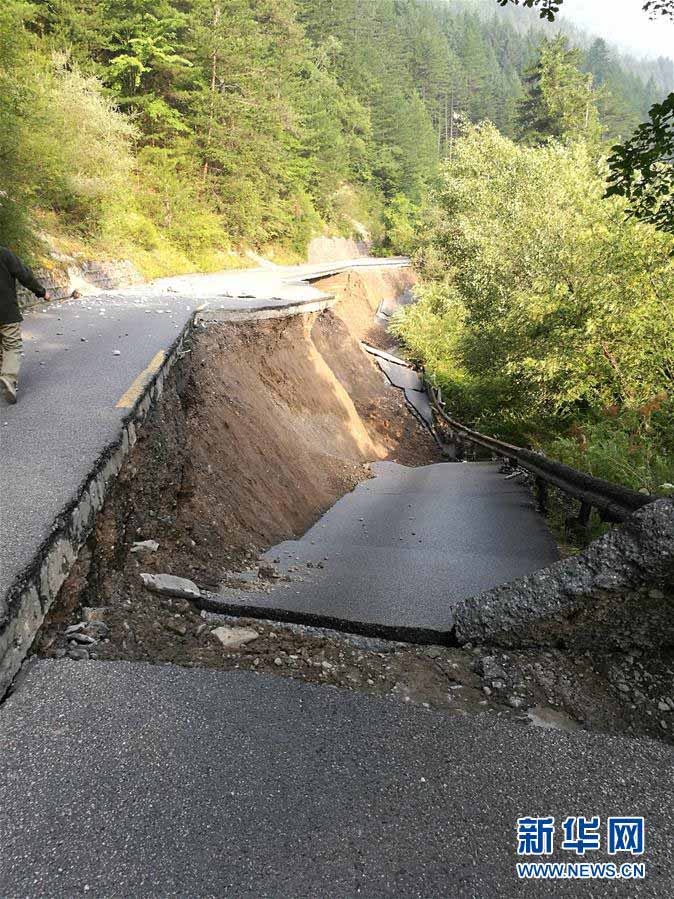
(295, 740)
(264, 426)
(94, 369)
(290, 515)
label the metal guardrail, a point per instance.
(612, 501)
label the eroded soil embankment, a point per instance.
(261, 428)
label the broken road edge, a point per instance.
(618, 592)
(30, 596)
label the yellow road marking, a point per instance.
(133, 393)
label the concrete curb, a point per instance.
(30, 598)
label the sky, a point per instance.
(623, 22)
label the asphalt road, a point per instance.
(403, 547)
(130, 780)
(123, 780)
(71, 381)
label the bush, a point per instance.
(65, 147)
(401, 221)
(19, 166)
(629, 448)
(83, 142)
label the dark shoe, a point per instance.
(9, 390)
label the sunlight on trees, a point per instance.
(544, 313)
(244, 123)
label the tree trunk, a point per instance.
(217, 12)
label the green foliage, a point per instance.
(64, 145)
(560, 101)
(17, 168)
(401, 220)
(191, 126)
(622, 98)
(542, 307)
(83, 168)
(642, 169)
(634, 448)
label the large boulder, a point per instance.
(618, 593)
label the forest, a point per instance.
(176, 132)
(545, 306)
(181, 133)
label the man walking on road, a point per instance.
(11, 271)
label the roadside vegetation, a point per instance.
(179, 133)
(545, 311)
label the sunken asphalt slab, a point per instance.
(403, 547)
(124, 780)
(400, 375)
(71, 382)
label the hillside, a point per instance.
(177, 133)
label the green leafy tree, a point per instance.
(65, 147)
(542, 309)
(619, 95)
(642, 169)
(560, 101)
(247, 121)
(18, 165)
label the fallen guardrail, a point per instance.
(613, 502)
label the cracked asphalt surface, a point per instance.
(404, 546)
(123, 779)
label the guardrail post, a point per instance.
(584, 514)
(455, 444)
(542, 495)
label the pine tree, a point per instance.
(560, 101)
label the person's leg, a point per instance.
(11, 351)
(10, 339)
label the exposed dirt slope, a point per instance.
(261, 428)
(337, 336)
(360, 293)
(273, 437)
(285, 413)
